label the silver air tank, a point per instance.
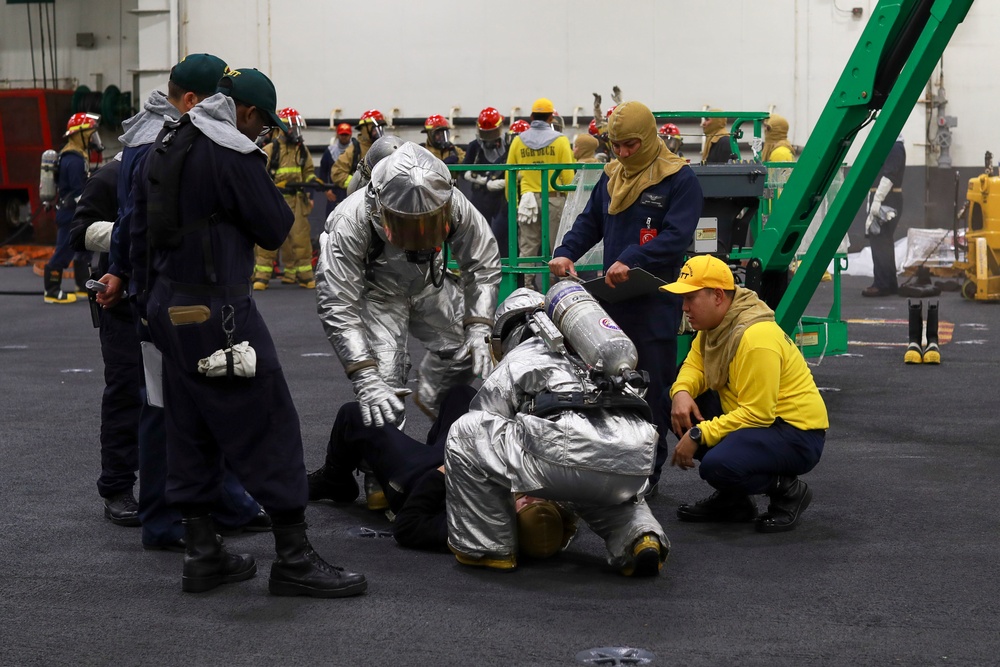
(589, 330)
(47, 182)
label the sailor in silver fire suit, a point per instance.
(381, 275)
(595, 461)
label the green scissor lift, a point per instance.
(881, 83)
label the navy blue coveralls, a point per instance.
(406, 468)
(493, 205)
(72, 178)
(883, 245)
(672, 208)
(119, 347)
(161, 524)
(250, 421)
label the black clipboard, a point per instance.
(640, 283)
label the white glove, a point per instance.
(527, 209)
(496, 185)
(380, 403)
(477, 347)
(98, 236)
(872, 226)
(244, 362)
(473, 177)
(884, 186)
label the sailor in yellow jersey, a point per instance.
(539, 144)
(771, 424)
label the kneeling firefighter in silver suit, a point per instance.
(559, 418)
(381, 276)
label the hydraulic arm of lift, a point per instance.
(883, 79)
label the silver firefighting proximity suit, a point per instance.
(595, 462)
(370, 296)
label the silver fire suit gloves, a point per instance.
(477, 347)
(380, 403)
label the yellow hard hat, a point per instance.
(543, 105)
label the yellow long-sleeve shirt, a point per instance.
(558, 152)
(768, 378)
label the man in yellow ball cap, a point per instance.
(771, 425)
(539, 144)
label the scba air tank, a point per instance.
(589, 330)
(47, 181)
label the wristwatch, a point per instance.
(695, 434)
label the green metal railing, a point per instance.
(756, 118)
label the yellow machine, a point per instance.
(982, 236)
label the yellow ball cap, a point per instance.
(543, 105)
(700, 272)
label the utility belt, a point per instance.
(192, 289)
(549, 403)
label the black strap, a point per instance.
(274, 158)
(375, 250)
(553, 402)
(356, 156)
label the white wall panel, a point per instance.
(423, 58)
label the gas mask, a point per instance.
(511, 321)
(95, 143)
(441, 139)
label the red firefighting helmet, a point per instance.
(81, 121)
(435, 122)
(519, 126)
(372, 117)
(489, 119)
(291, 117)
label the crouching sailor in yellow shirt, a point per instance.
(759, 421)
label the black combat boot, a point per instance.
(913, 354)
(720, 507)
(790, 496)
(299, 570)
(206, 563)
(327, 485)
(932, 353)
(53, 287)
(81, 274)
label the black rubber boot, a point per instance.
(790, 496)
(932, 353)
(913, 349)
(206, 563)
(81, 274)
(53, 287)
(720, 507)
(324, 485)
(299, 570)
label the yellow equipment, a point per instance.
(982, 236)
